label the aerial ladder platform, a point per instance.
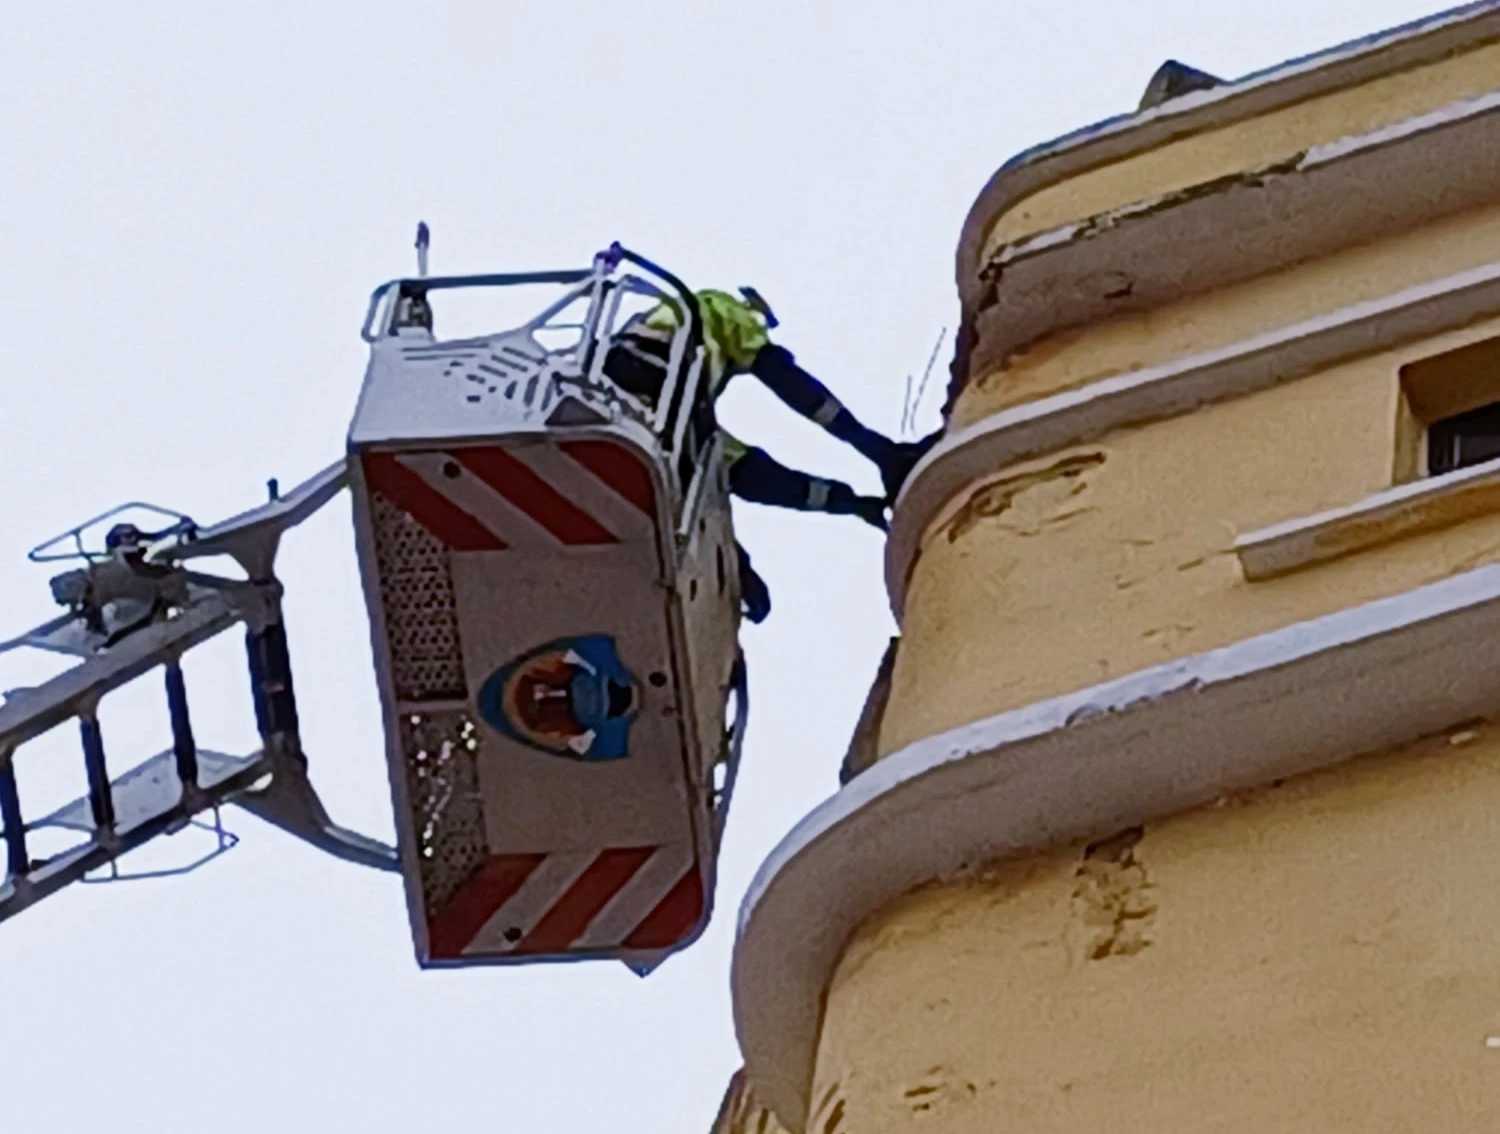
(550, 571)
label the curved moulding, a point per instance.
(1181, 386)
(1088, 765)
(1414, 44)
(1157, 251)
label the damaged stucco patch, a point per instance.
(939, 1088)
(1032, 202)
(995, 342)
(1390, 288)
(1264, 218)
(994, 270)
(1151, 572)
(1053, 485)
(1204, 134)
(1310, 920)
(1113, 909)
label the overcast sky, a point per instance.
(198, 199)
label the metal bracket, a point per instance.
(289, 801)
(253, 537)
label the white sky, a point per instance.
(197, 200)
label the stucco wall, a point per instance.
(742, 1113)
(1259, 141)
(1229, 315)
(1087, 564)
(1316, 956)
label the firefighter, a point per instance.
(736, 337)
(636, 362)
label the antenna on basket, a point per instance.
(412, 308)
(424, 239)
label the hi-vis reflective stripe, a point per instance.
(636, 898)
(489, 498)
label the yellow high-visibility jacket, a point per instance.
(733, 333)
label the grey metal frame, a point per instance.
(673, 413)
(165, 793)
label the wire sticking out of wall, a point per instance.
(912, 402)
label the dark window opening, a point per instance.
(1464, 439)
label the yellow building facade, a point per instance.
(1174, 805)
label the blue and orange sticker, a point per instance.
(572, 697)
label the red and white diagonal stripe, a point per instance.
(628, 898)
(537, 496)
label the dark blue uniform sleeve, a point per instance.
(758, 477)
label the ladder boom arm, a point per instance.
(163, 795)
(252, 537)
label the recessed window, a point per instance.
(1464, 439)
(1450, 411)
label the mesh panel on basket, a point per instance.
(447, 813)
(440, 747)
(421, 619)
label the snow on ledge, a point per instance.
(1406, 510)
(1177, 387)
(1089, 764)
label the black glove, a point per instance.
(755, 596)
(871, 509)
(842, 501)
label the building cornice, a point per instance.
(986, 447)
(1151, 253)
(1088, 765)
(1359, 61)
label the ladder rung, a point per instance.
(183, 746)
(16, 861)
(101, 799)
(150, 804)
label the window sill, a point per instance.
(1426, 505)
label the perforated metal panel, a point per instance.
(439, 748)
(416, 588)
(511, 366)
(440, 752)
